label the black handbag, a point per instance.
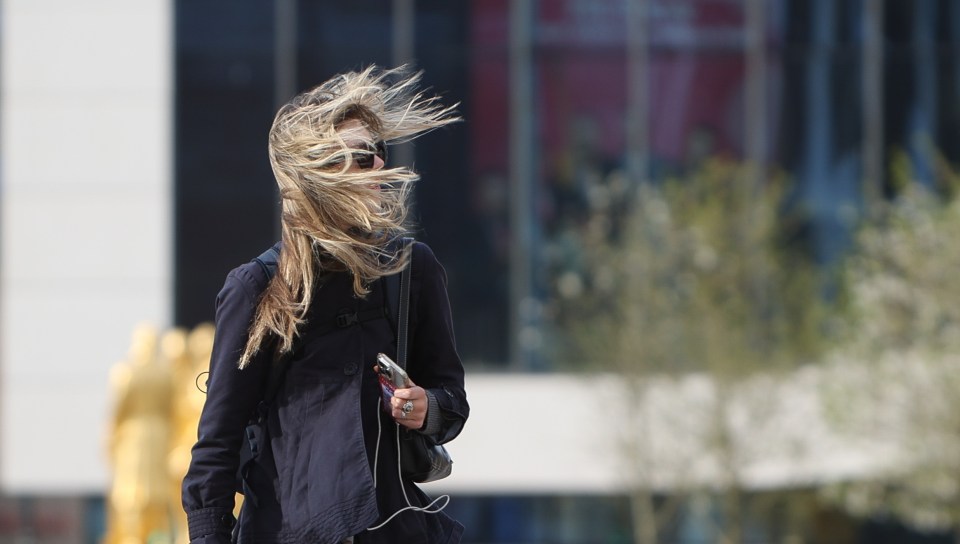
(421, 458)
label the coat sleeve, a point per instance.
(209, 486)
(434, 362)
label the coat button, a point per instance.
(350, 369)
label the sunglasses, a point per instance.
(364, 158)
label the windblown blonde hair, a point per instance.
(334, 219)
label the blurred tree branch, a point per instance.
(691, 276)
(897, 378)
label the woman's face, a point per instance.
(356, 135)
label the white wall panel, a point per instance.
(561, 433)
(85, 223)
(86, 141)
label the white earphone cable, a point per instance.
(376, 459)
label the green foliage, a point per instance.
(897, 378)
(690, 275)
(902, 276)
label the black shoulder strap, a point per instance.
(391, 285)
(268, 261)
(398, 302)
(404, 310)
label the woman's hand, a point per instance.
(409, 407)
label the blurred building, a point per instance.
(134, 176)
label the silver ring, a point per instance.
(407, 407)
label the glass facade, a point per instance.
(563, 100)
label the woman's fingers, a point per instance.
(409, 406)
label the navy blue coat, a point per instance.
(316, 480)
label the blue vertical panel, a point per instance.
(828, 165)
(95, 518)
(511, 520)
(224, 105)
(923, 109)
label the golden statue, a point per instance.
(183, 426)
(139, 440)
(160, 391)
(189, 356)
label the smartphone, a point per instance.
(391, 377)
(392, 371)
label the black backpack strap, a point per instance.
(268, 261)
(253, 433)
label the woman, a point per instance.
(328, 471)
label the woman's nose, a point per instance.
(378, 162)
